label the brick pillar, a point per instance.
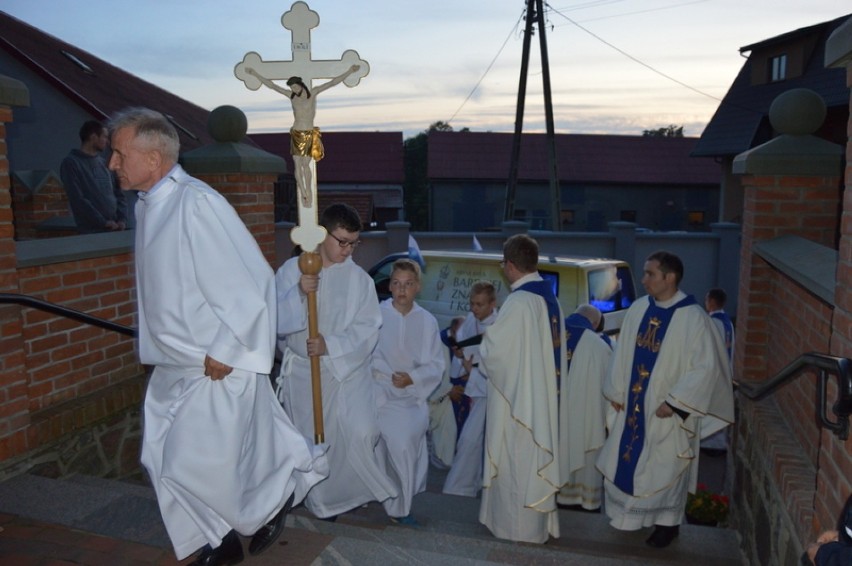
(14, 403)
(792, 185)
(792, 189)
(244, 174)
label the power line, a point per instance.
(479, 82)
(604, 2)
(634, 59)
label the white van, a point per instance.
(449, 275)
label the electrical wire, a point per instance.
(632, 58)
(491, 64)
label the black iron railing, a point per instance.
(828, 366)
(79, 316)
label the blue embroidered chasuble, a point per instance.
(652, 331)
(575, 326)
(544, 290)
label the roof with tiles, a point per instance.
(98, 87)
(741, 121)
(350, 157)
(581, 158)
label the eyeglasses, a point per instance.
(396, 284)
(346, 243)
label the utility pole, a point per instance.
(534, 13)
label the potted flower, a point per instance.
(705, 507)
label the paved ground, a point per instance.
(88, 521)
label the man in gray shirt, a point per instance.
(96, 200)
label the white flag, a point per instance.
(476, 245)
(414, 252)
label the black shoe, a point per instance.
(662, 536)
(269, 533)
(226, 554)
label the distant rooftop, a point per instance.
(581, 158)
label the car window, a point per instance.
(381, 278)
(611, 288)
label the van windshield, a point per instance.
(611, 288)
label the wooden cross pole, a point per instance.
(349, 69)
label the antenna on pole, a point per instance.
(534, 14)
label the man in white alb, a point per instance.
(221, 453)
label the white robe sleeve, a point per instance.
(238, 294)
(291, 303)
(430, 367)
(349, 346)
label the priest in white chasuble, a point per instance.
(523, 355)
(582, 422)
(222, 455)
(669, 386)
(348, 323)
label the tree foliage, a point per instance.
(416, 187)
(670, 131)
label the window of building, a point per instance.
(79, 62)
(696, 217)
(628, 216)
(778, 70)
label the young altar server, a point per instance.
(465, 476)
(408, 364)
(348, 321)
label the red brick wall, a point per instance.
(33, 208)
(778, 320)
(68, 359)
(14, 416)
(252, 196)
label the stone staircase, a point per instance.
(449, 531)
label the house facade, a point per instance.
(364, 169)
(650, 181)
(792, 60)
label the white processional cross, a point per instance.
(300, 20)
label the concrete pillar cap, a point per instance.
(798, 112)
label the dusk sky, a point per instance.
(617, 66)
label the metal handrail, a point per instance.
(32, 302)
(840, 367)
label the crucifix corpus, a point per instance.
(305, 143)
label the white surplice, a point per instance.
(222, 454)
(582, 422)
(465, 476)
(349, 321)
(719, 440)
(692, 374)
(408, 343)
(521, 475)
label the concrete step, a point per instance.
(449, 532)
